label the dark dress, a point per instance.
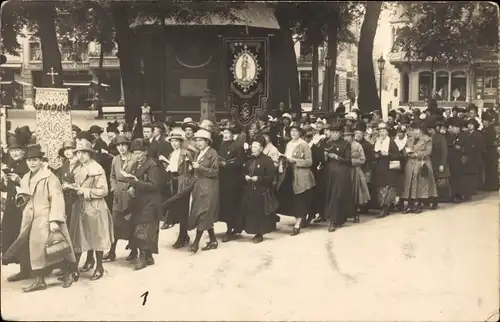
(455, 163)
(11, 220)
(385, 179)
(339, 200)
(490, 160)
(66, 174)
(255, 220)
(146, 207)
(472, 147)
(318, 169)
(231, 183)
(178, 211)
(439, 157)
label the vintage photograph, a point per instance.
(249, 160)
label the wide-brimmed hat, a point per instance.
(95, 129)
(159, 125)
(488, 117)
(33, 151)
(188, 122)
(23, 134)
(112, 127)
(69, 144)
(121, 139)
(348, 130)
(286, 115)
(360, 126)
(337, 127)
(14, 143)
(203, 134)
(297, 127)
(177, 134)
(473, 122)
(84, 145)
(206, 125)
(139, 145)
(383, 126)
(416, 124)
(75, 128)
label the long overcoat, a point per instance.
(360, 188)
(416, 185)
(91, 225)
(66, 173)
(204, 203)
(46, 204)
(490, 159)
(439, 156)
(181, 181)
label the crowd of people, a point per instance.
(196, 174)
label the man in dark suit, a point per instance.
(158, 144)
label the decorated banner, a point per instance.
(246, 77)
(53, 122)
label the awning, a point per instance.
(6, 82)
(75, 84)
(22, 83)
(102, 84)
(252, 15)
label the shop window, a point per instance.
(305, 49)
(458, 86)
(425, 82)
(35, 49)
(442, 79)
(490, 82)
(306, 87)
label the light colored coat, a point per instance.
(303, 178)
(91, 225)
(46, 204)
(360, 188)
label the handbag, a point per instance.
(424, 170)
(57, 245)
(271, 203)
(395, 165)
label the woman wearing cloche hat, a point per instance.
(42, 224)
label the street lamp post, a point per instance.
(381, 63)
(328, 64)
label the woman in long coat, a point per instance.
(145, 188)
(419, 176)
(204, 200)
(121, 211)
(361, 193)
(385, 177)
(43, 214)
(15, 169)
(439, 159)
(296, 182)
(401, 140)
(491, 155)
(232, 157)
(181, 171)
(259, 173)
(91, 225)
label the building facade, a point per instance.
(453, 84)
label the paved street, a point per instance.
(440, 265)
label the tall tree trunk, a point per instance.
(368, 99)
(331, 52)
(129, 62)
(315, 77)
(51, 56)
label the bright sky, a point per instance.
(383, 36)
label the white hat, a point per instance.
(188, 120)
(353, 116)
(320, 120)
(176, 133)
(271, 118)
(286, 115)
(422, 116)
(203, 134)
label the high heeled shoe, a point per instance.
(75, 276)
(132, 256)
(211, 245)
(295, 231)
(98, 273)
(19, 277)
(332, 227)
(194, 248)
(181, 242)
(111, 257)
(38, 285)
(87, 266)
(67, 280)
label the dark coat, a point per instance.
(282, 138)
(66, 174)
(159, 147)
(11, 220)
(490, 159)
(205, 193)
(99, 145)
(255, 219)
(439, 156)
(146, 204)
(382, 176)
(455, 154)
(181, 181)
(369, 155)
(231, 182)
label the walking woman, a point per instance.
(204, 200)
(232, 157)
(296, 182)
(419, 183)
(146, 204)
(339, 202)
(181, 171)
(361, 193)
(385, 169)
(401, 140)
(124, 161)
(257, 209)
(91, 225)
(43, 217)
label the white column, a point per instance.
(434, 82)
(469, 75)
(449, 86)
(122, 97)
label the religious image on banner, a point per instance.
(53, 122)
(246, 81)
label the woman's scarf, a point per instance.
(401, 143)
(382, 145)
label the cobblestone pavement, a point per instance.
(441, 265)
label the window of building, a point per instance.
(458, 86)
(35, 48)
(490, 82)
(306, 87)
(348, 85)
(305, 49)
(442, 79)
(425, 82)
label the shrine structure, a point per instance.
(224, 65)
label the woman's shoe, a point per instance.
(38, 285)
(18, 277)
(132, 256)
(98, 273)
(194, 248)
(211, 245)
(87, 266)
(111, 256)
(258, 239)
(332, 227)
(409, 210)
(59, 273)
(295, 231)
(67, 280)
(75, 276)
(181, 242)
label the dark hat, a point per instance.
(416, 124)
(340, 109)
(360, 126)
(455, 109)
(170, 123)
(348, 130)
(33, 151)
(75, 128)
(472, 121)
(401, 128)
(455, 121)
(85, 135)
(23, 135)
(70, 144)
(404, 119)
(159, 125)
(488, 117)
(430, 122)
(297, 127)
(260, 139)
(95, 129)
(112, 127)
(121, 139)
(392, 113)
(15, 144)
(472, 107)
(401, 110)
(147, 125)
(139, 145)
(233, 128)
(337, 126)
(127, 128)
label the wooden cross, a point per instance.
(52, 74)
